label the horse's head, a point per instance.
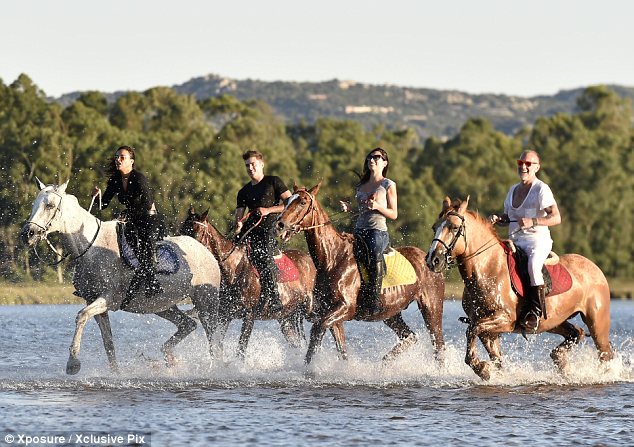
(194, 224)
(45, 213)
(298, 213)
(450, 238)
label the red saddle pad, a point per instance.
(287, 269)
(560, 277)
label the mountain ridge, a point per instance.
(430, 112)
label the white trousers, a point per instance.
(537, 251)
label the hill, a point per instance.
(438, 113)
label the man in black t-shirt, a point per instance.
(263, 196)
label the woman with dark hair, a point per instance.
(377, 200)
(132, 190)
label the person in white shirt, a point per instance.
(529, 209)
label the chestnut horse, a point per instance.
(240, 286)
(468, 240)
(339, 282)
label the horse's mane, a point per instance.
(484, 222)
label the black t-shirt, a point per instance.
(265, 194)
(138, 198)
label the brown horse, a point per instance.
(240, 286)
(468, 240)
(339, 282)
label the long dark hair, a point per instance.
(366, 171)
(112, 167)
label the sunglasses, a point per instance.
(375, 158)
(528, 164)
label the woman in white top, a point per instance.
(529, 209)
(377, 200)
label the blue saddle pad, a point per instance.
(167, 262)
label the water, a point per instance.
(273, 399)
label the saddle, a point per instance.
(167, 262)
(398, 270)
(556, 278)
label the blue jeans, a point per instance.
(376, 240)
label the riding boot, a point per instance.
(269, 295)
(135, 286)
(372, 289)
(534, 312)
(153, 286)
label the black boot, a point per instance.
(534, 312)
(372, 290)
(135, 286)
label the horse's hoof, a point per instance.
(483, 370)
(73, 366)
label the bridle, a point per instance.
(296, 227)
(45, 228)
(450, 260)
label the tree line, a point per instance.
(191, 152)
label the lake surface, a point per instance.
(273, 399)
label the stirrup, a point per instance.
(529, 323)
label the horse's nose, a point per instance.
(28, 233)
(280, 226)
(433, 262)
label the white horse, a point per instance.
(101, 277)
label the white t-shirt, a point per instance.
(539, 198)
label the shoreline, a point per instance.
(45, 293)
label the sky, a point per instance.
(513, 47)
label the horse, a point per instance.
(101, 277)
(339, 281)
(465, 238)
(240, 286)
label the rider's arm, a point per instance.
(551, 218)
(276, 209)
(239, 214)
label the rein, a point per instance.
(296, 227)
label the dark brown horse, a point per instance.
(338, 280)
(240, 286)
(468, 240)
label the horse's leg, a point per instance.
(491, 325)
(291, 329)
(491, 343)
(317, 332)
(185, 325)
(432, 316)
(106, 335)
(598, 322)
(98, 306)
(572, 335)
(340, 340)
(319, 329)
(245, 333)
(205, 300)
(406, 337)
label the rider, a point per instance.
(263, 196)
(529, 209)
(132, 189)
(377, 200)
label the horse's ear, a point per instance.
(192, 210)
(62, 188)
(315, 189)
(446, 204)
(295, 187)
(39, 184)
(203, 217)
(464, 205)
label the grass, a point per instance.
(53, 293)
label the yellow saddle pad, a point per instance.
(400, 271)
